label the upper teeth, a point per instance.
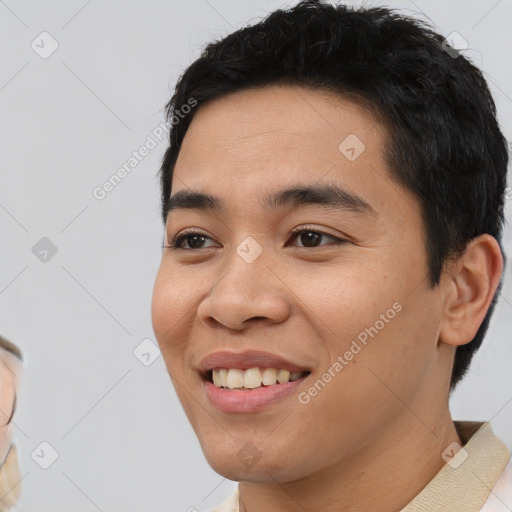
(252, 378)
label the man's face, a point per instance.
(247, 283)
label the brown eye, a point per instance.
(311, 238)
(194, 239)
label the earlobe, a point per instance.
(472, 282)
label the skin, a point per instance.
(374, 435)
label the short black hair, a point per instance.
(444, 144)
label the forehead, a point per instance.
(250, 143)
(276, 119)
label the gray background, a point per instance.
(68, 122)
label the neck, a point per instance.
(385, 475)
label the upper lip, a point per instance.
(247, 359)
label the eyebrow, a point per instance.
(333, 196)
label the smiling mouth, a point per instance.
(235, 379)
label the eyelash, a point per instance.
(175, 244)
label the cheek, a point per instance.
(344, 302)
(171, 303)
(397, 351)
(378, 328)
(171, 317)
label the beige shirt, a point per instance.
(477, 478)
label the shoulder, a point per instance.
(500, 498)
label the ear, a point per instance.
(471, 282)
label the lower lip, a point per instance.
(255, 400)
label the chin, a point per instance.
(243, 461)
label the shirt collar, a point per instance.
(467, 478)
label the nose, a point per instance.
(246, 292)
